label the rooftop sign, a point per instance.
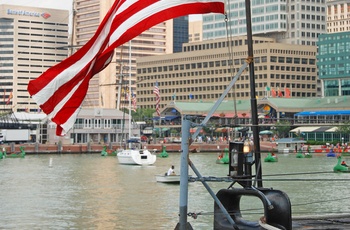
(28, 13)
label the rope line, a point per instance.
(196, 214)
(294, 205)
(323, 201)
(229, 39)
(229, 179)
(300, 173)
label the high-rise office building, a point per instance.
(333, 50)
(293, 22)
(180, 27)
(338, 16)
(32, 40)
(195, 31)
(204, 69)
(333, 63)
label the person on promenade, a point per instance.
(171, 171)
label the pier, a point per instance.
(37, 148)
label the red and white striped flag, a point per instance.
(61, 89)
(133, 98)
(156, 92)
(9, 98)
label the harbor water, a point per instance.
(88, 191)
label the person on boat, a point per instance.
(221, 155)
(343, 163)
(171, 171)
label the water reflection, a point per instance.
(94, 192)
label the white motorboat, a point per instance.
(168, 179)
(135, 155)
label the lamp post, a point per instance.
(246, 147)
(248, 160)
(212, 128)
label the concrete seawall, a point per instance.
(36, 148)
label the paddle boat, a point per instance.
(223, 158)
(164, 153)
(271, 157)
(341, 166)
(331, 153)
(106, 152)
(20, 154)
(308, 153)
(300, 154)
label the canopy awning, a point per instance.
(230, 115)
(193, 130)
(313, 129)
(266, 132)
(325, 112)
(223, 130)
(147, 131)
(171, 117)
(166, 118)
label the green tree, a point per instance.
(282, 128)
(142, 114)
(344, 129)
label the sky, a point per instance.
(58, 4)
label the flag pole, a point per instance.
(129, 89)
(4, 98)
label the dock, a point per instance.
(219, 147)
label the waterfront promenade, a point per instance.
(36, 148)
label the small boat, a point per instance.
(106, 152)
(164, 153)
(173, 179)
(300, 154)
(341, 166)
(308, 154)
(135, 155)
(331, 153)
(20, 154)
(223, 158)
(271, 157)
